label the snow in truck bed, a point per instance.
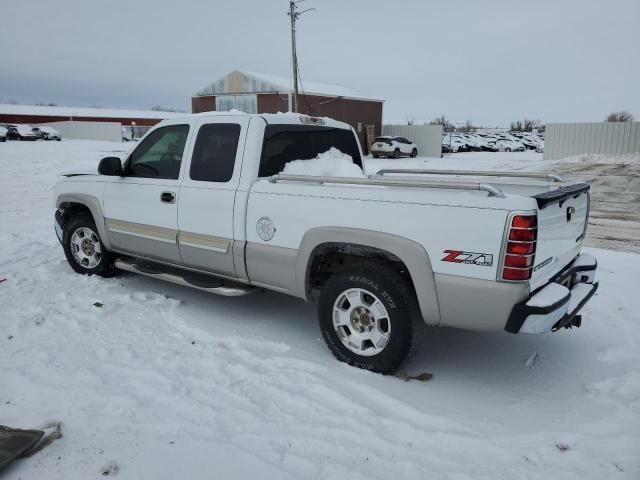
(152, 380)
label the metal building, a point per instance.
(611, 138)
(428, 138)
(254, 92)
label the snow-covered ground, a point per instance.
(156, 381)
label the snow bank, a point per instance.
(154, 380)
(332, 163)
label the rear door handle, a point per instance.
(168, 197)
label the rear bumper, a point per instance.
(557, 304)
(381, 152)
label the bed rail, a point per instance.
(483, 173)
(388, 182)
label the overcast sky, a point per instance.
(490, 61)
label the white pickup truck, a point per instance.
(201, 202)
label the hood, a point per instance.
(79, 173)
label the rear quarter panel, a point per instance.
(296, 208)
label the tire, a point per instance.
(396, 153)
(507, 150)
(352, 341)
(414, 153)
(100, 262)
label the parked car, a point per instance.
(509, 146)
(3, 134)
(38, 133)
(49, 133)
(20, 132)
(376, 258)
(393, 147)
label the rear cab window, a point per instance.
(214, 154)
(285, 143)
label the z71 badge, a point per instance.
(473, 258)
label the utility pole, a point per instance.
(294, 15)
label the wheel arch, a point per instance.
(355, 242)
(78, 202)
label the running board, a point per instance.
(186, 279)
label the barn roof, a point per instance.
(247, 81)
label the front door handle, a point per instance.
(168, 197)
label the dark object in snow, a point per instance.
(9, 337)
(563, 447)
(53, 431)
(421, 377)
(3, 280)
(110, 469)
(16, 443)
(98, 304)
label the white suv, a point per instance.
(393, 147)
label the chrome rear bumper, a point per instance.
(557, 304)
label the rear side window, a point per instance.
(285, 143)
(214, 155)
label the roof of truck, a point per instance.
(271, 118)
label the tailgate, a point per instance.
(562, 218)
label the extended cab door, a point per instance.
(141, 213)
(208, 193)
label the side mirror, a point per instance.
(110, 166)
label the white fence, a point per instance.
(428, 138)
(614, 138)
(110, 131)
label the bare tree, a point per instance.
(528, 125)
(410, 120)
(621, 116)
(442, 120)
(517, 126)
(468, 127)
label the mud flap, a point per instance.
(15, 442)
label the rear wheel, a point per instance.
(83, 248)
(365, 317)
(414, 153)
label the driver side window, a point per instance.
(159, 155)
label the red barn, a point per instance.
(254, 92)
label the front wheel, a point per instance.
(83, 248)
(396, 153)
(365, 317)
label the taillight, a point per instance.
(521, 248)
(517, 264)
